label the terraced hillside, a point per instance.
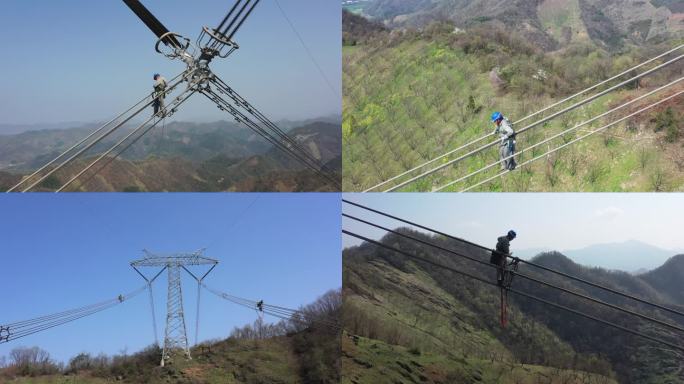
(411, 96)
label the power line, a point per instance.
(533, 264)
(144, 128)
(522, 275)
(289, 141)
(565, 132)
(16, 330)
(575, 140)
(274, 310)
(286, 145)
(530, 126)
(335, 93)
(532, 297)
(92, 143)
(528, 116)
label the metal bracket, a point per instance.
(177, 50)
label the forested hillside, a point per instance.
(547, 23)
(287, 352)
(449, 325)
(414, 94)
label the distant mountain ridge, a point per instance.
(629, 256)
(195, 141)
(549, 23)
(183, 157)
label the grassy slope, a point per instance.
(557, 15)
(432, 311)
(433, 337)
(228, 362)
(407, 103)
(373, 361)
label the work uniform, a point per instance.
(499, 255)
(507, 145)
(503, 245)
(159, 94)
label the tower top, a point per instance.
(163, 260)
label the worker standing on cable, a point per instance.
(159, 93)
(501, 253)
(507, 145)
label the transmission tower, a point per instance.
(175, 334)
(212, 43)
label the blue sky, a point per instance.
(548, 220)
(84, 60)
(66, 251)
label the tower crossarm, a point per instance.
(152, 260)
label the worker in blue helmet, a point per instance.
(507, 144)
(159, 94)
(501, 253)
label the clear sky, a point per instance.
(65, 251)
(549, 220)
(84, 60)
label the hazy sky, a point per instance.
(552, 220)
(67, 251)
(84, 60)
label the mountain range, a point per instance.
(628, 256)
(180, 156)
(549, 23)
(410, 321)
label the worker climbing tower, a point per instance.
(175, 334)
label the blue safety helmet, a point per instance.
(155, 76)
(496, 116)
(512, 234)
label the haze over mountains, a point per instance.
(549, 23)
(629, 256)
(183, 156)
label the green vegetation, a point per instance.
(412, 96)
(373, 361)
(52, 182)
(287, 352)
(403, 313)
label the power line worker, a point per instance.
(504, 270)
(507, 145)
(500, 255)
(159, 93)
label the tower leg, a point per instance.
(175, 336)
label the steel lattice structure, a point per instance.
(197, 78)
(175, 334)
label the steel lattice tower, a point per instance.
(175, 335)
